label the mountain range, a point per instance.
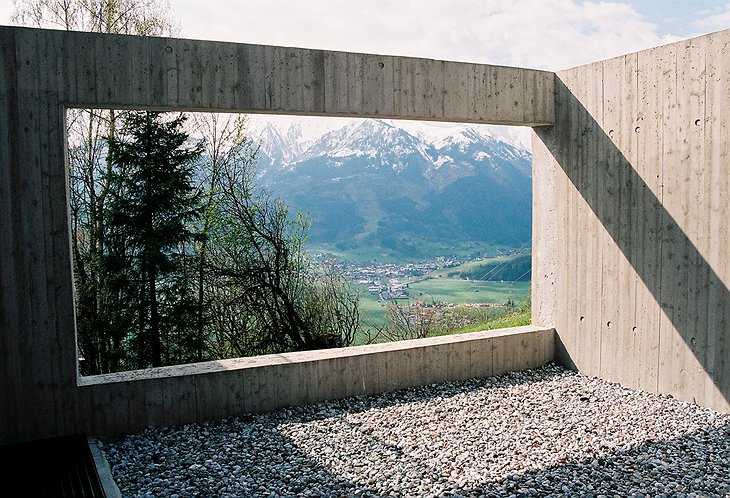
(403, 189)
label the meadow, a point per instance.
(445, 290)
(468, 291)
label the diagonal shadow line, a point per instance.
(271, 461)
(679, 262)
(281, 467)
(679, 465)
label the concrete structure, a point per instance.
(630, 197)
(114, 404)
(42, 72)
(632, 219)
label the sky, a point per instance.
(544, 34)
(541, 34)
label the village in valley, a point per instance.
(388, 281)
(434, 296)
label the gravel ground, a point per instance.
(545, 432)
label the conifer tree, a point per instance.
(152, 206)
(99, 313)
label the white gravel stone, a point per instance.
(544, 432)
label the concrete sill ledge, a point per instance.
(505, 336)
(125, 402)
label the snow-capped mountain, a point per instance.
(282, 146)
(401, 186)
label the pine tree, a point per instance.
(99, 318)
(151, 211)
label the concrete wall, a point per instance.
(632, 219)
(42, 72)
(115, 404)
(631, 215)
(97, 70)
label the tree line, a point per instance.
(511, 269)
(178, 256)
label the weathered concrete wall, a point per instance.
(631, 218)
(116, 404)
(632, 201)
(42, 72)
(96, 70)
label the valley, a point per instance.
(452, 302)
(428, 221)
(400, 191)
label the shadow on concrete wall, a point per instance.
(662, 254)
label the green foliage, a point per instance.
(256, 257)
(150, 212)
(517, 317)
(192, 260)
(458, 292)
(513, 319)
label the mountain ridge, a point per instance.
(376, 183)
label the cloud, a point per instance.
(550, 34)
(6, 11)
(714, 19)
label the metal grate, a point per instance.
(57, 468)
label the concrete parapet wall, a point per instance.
(115, 404)
(631, 219)
(43, 72)
(632, 207)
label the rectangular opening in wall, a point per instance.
(199, 237)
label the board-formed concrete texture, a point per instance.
(42, 72)
(630, 200)
(116, 404)
(632, 216)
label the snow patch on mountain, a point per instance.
(439, 134)
(399, 185)
(291, 139)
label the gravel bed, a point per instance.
(544, 432)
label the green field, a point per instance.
(516, 318)
(446, 290)
(371, 311)
(468, 291)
